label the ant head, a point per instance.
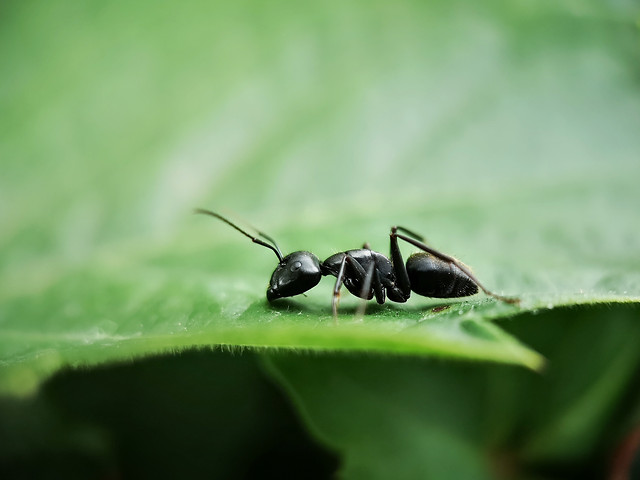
(295, 274)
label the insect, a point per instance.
(368, 274)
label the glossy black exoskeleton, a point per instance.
(368, 274)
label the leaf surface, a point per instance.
(512, 147)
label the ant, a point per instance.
(366, 273)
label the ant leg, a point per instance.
(336, 289)
(449, 259)
(399, 268)
(370, 278)
(411, 233)
(366, 278)
(350, 266)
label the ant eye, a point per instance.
(295, 266)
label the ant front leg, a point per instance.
(336, 288)
(352, 270)
(413, 240)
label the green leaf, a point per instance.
(512, 146)
(398, 418)
(106, 323)
(412, 418)
(198, 414)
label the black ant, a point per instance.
(366, 273)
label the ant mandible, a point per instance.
(366, 273)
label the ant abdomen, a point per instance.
(433, 277)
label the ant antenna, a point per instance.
(267, 237)
(273, 247)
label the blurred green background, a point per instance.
(506, 132)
